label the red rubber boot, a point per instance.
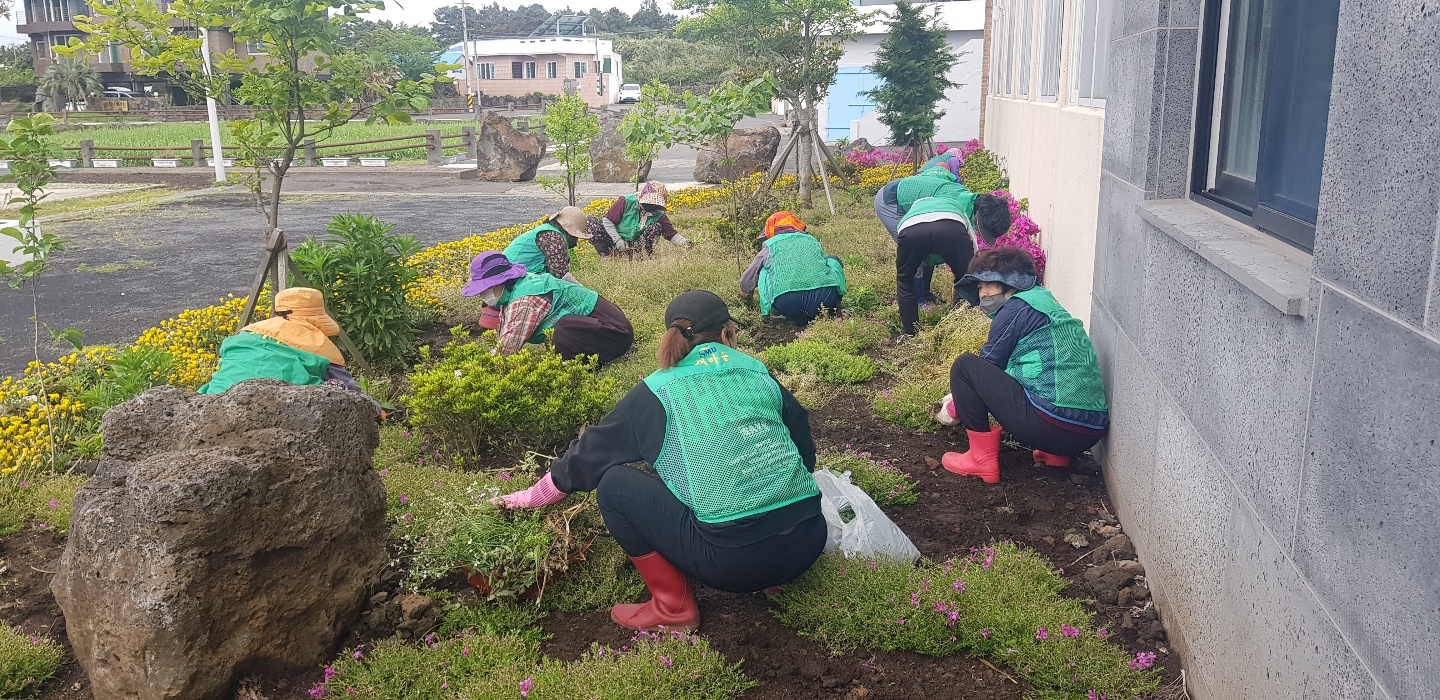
(671, 604)
(1049, 460)
(982, 459)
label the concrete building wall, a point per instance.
(1275, 414)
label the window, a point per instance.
(552, 69)
(1023, 23)
(530, 70)
(487, 71)
(256, 47)
(54, 11)
(42, 49)
(1052, 37)
(517, 70)
(1263, 111)
(59, 40)
(111, 53)
(1000, 48)
(580, 69)
(1089, 52)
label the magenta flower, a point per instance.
(318, 691)
(525, 687)
(958, 586)
(1143, 660)
(404, 498)
(408, 517)
(351, 691)
(1069, 631)
(54, 503)
(986, 633)
(465, 651)
(1103, 633)
(504, 476)
(1042, 634)
(445, 685)
(666, 660)
(358, 653)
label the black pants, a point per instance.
(605, 332)
(947, 238)
(644, 516)
(981, 389)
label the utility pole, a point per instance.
(473, 88)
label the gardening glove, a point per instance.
(680, 240)
(947, 415)
(620, 244)
(543, 493)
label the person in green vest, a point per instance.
(293, 345)
(792, 273)
(530, 304)
(546, 248)
(1037, 374)
(732, 502)
(940, 176)
(634, 222)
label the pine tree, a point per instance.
(912, 62)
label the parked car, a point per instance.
(629, 93)
(118, 92)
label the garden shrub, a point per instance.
(983, 171)
(26, 661)
(911, 402)
(882, 480)
(829, 363)
(1002, 602)
(362, 271)
(851, 334)
(475, 402)
(129, 371)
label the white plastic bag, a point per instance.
(870, 533)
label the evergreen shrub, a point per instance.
(829, 363)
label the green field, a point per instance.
(179, 135)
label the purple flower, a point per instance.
(504, 476)
(330, 672)
(351, 691)
(1042, 634)
(445, 685)
(54, 503)
(1069, 631)
(1103, 633)
(1144, 659)
(958, 586)
(666, 660)
(986, 633)
(358, 653)
(318, 691)
(525, 687)
(404, 498)
(408, 517)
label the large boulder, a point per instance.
(222, 536)
(753, 150)
(607, 153)
(505, 153)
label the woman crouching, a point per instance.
(733, 505)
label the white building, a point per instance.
(1045, 115)
(847, 114)
(554, 65)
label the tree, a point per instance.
(569, 128)
(912, 62)
(486, 21)
(69, 79)
(797, 42)
(17, 65)
(410, 50)
(298, 92)
(676, 62)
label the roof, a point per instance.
(560, 24)
(588, 45)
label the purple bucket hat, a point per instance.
(489, 269)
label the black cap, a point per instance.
(704, 310)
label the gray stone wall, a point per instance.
(1280, 474)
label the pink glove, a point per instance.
(543, 493)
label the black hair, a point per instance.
(992, 215)
(1006, 260)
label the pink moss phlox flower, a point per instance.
(504, 476)
(914, 598)
(1103, 633)
(958, 586)
(384, 472)
(465, 651)
(445, 685)
(408, 517)
(54, 503)
(1042, 634)
(42, 526)
(666, 660)
(358, 652)
(1144, 659)
(330, 672)
(1069, 631)
(986, 633)
(318, 691)
(900, 622)
(525, 687)
(405, 435)
(404, 498)
(351, 691)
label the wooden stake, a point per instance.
(824, 178)
(779, 162)
(345, 342)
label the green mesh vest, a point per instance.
(796, 263)
(1057, 363)
(248, 355)
(629, 226)
(525, 251)
(727, 455)
(565, 298)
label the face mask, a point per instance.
(491, 297)
(992, 304)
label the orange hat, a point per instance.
(301, 322)
(781, 222)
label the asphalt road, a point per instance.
(128, 270)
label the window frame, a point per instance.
(486, 71)
(1024, 40)
(530, 70)
(581, 69)
(552, 70)
(1051, 49)
(517, 70)
(256, 47)
(1099, 49)
(1232, 196)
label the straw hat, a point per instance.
(300, 322)
(572, 220)
(306, 304)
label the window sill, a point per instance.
(1276, 272)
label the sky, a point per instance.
(421, 11)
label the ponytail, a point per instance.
(674, 346)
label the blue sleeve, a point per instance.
(1015, 320)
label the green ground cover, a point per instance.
(178, 135)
